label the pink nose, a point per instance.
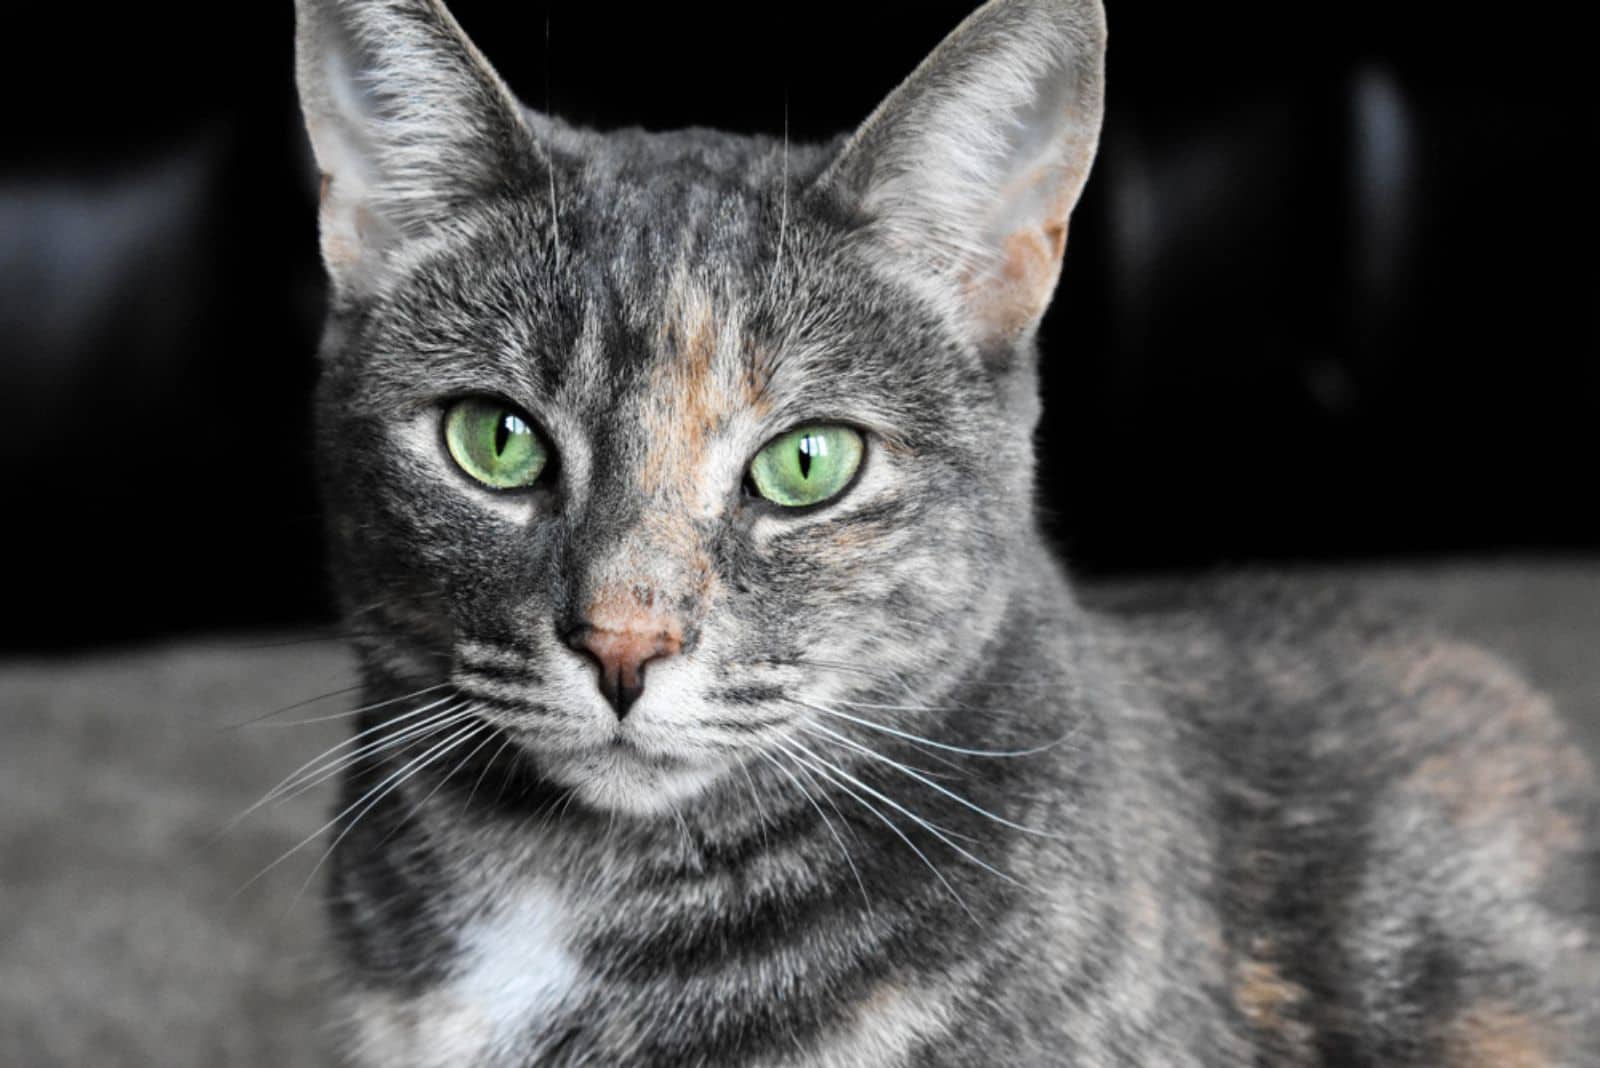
(621, 655)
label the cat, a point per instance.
(724, 702)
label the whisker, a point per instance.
(429, 599)
(856, 669)
(930, 748)
(887, 822)
(550, 152)
(483, 728)
(783, 218)
(240, 724)
(683, 831)
(1005, 753)
(336, 820)
(822, 788)
(899, 679)
(505, 779)
(848, 859)
(949, 831)
(818, 728)
(309, 770)
(485, 773)
(404, 740)
(401, 740)
(309, 775)
(349, 714)
(761, 810)
(927, 825)
(340, 636)
(555, 809)
(406, 774)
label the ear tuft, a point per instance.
(969, 171)
(408, 123)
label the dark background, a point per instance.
(1330, 295)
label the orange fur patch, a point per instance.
(1494, 1035)
(1269, 1000)
(1503, 763)
(1011, 297)
(687, 400)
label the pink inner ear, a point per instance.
(344, 227)
(341, 240)
(1009, 297)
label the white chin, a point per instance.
(622, 780)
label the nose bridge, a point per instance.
(630, 548)
(638, 602)
(654, 567)
(644, 545)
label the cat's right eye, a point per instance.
(807, 466)
(495, 443)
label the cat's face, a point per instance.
(674, 453)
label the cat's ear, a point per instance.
(408, 123)
(968, 172)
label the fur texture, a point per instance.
(900, 798)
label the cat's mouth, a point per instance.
(654, 755)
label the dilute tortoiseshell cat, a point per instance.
(725, 705)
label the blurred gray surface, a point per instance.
(125, 938)
(127, 933)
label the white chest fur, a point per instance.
(513, 974)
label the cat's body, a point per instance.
(1261, 860)
(887, 794)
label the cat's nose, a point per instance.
(621, 653)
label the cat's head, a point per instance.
(673, 453)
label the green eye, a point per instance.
(495, 443)
(807, 466)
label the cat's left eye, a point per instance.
(808, 465)
(495, 443)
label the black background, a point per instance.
(1330, 294)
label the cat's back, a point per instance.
(1407, 841)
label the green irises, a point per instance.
(495, 443)
(807, 465)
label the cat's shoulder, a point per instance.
(1408, 836)
(1310, 641)
(1319, 671)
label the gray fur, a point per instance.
(901, 799)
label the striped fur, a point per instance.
(902, 799)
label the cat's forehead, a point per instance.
(640, 206)
(681, 313)
(686, 286)
(675, 268)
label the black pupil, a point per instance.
(807, 447)
(502, 432)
